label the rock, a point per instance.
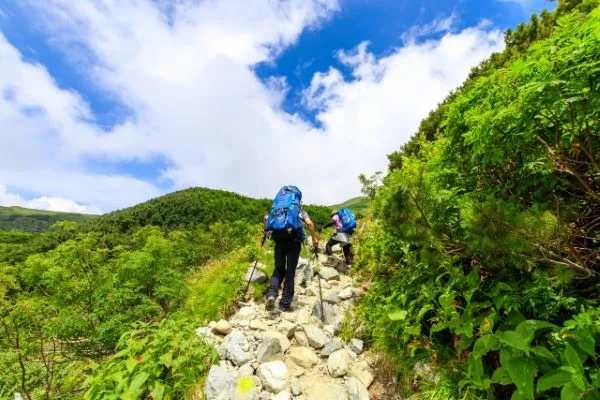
(205, 335)
(426, 371)
(269, 350)
(293, 368)
(222, 327)
(246, 370)
(258, 276)
(273, 375)
(289, 316)
(303, 317)
(338, 363)
(304, 273)
(258, 325)
(346, 293)
(285, 395)
(301, 338)
(18, 396)
(316, 337)
(356, 345)
(219, 380)
(244, 314)
(330, 330)
(330, 317)
(356, 390)
(236, 348)
(295, 386)
(285, 343)
(363, 373)
(332, 297)
(327, 391)
(303, 357)
(330, 261)
(360, 331)
(246, 388)
(329, 274)
(333, 345)
(286, 328)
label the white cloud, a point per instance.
(196, 100)
(45, 203)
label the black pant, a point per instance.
(347, 249)
(287, 253)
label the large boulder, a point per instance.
(316, 337)
(329, 316)
(236, 348)
(303, 357)
(329, 274)
(273, 375)
(269, 350)
(332, 297)
(362, 372)
(286, 328)
(301, 338)
(304, 273)
(247, 313)
(356, 345)
(356, 390)
(246, 388)
(219, 380)
(284, 341)
(256, 275)
(339, 362)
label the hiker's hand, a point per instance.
(315, 244)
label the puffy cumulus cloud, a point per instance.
(45, 203)
(186, 73)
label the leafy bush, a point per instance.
(162, 360)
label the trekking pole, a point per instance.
(316, 258)
(262, 242)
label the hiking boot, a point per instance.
(284, 308)
(270, 303)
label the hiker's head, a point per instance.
(334, 213)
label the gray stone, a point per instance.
(346, 293)
(245, 314)
(284, 341)
(356, 390)
(316, 337)
(426, 371)
(330, 317)
(303, 317)
(339, 362)
(332, 297)
(289, 316)
(246, 388)
(362, 372)
(303, 357)
(356, 345)
(18, 396)
(295, 386)
(285, 395)
(246, 370)
(304, 273)
(286, 328)
(329, 274)
(273, 375)
(219, 380)
(205, 334)
(330, 330)
(269, 350)
(236, 348)
(222, 327)
(258, 325)
(333, 345)
(301, 338)
(258, 275)
(327, 391)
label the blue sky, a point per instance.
(105, 106)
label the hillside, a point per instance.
(357, 204)
(28, 220)
(195, 207)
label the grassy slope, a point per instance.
(357, 204)
(28, 220)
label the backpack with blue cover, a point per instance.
(284, 220)
(348, 220)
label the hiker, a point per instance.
(284, 225)
(344, 224)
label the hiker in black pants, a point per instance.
(339, 237)
(287, 252)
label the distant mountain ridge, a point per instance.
(29, 220)
(357, 204)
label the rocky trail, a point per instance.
(292, 355)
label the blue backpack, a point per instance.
(285, 221)
(348, 220)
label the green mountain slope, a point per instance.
(28, 220)
(195, 207)
(356, 204)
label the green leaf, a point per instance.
(475, 369)
(158, 392)
(167, 359)
(544, 353)
(486, 343)
(522, 371)
(501, 376)
(572, 358)
(399, 315)
(138, 381)
(527, 329)
(513, 339)
(553, 379)
(586, 342)
(568, 392)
